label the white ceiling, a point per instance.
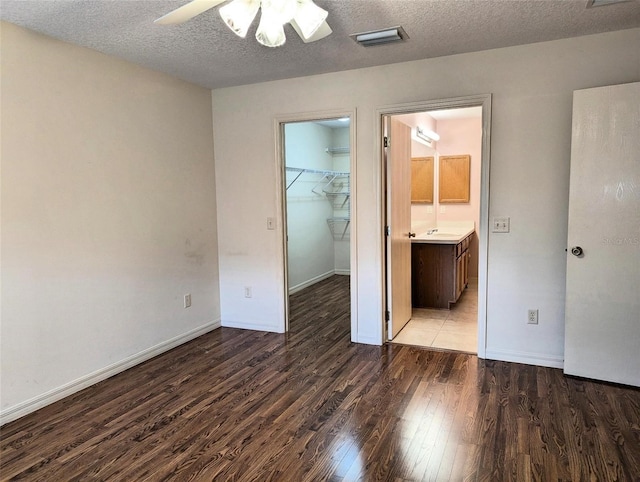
(205, 52)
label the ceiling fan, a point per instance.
(308, 20)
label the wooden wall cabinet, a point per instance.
(454, 179)
(422, 179)
(439, 273)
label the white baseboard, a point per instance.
(343, 272)
(47, 398)
(366, 340)
(250, 326)
(312, 281)
(539, 359)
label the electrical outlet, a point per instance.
(187, 301)
(532, 317)
(247, 292)
(501, 225)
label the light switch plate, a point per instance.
(271, 224)
(501, 225)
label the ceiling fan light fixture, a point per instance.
(281, 11)
(239, 14)
(309, 22)
(270, 31)
(309, 17)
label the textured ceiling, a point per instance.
(206, 52)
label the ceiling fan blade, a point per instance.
(188, 11)
(323, 31)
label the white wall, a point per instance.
(532, 89)
(108, 217)
(310, 243)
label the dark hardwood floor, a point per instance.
(311, 406)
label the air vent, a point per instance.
(602, 3)
(380, 37)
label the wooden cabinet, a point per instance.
(439, 273)
(422, 179)
(453, 181)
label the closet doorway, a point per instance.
(317, 183)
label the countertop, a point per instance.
(450, 233)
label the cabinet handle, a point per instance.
(412, 235)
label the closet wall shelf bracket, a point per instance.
(337, 150)
(335, 197)
(339, 226)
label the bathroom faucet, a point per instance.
(431, 231)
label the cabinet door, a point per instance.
(453, 180)
(433, 271)
(467, 258)
(422, 180)
(460, 264)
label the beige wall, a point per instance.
(532, 87)
(108, 217)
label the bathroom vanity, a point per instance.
(440, 266)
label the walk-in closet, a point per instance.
(318, 201)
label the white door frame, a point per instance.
(281, 199)
(484, 101)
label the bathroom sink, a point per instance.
(439, 235)
(449, 233)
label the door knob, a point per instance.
(412, 235)
(577, 251)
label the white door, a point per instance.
(602, 331)
(398, 162)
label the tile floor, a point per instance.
(455, 329)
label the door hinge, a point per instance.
(387, 231)
(387, 141)
(387, 315)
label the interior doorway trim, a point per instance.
(481, 100)
(281, 199)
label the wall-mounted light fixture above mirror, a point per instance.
(426, 136)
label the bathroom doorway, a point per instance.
(317, 187)
(449, 150)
